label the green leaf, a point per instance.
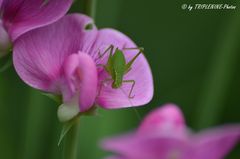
(56, 98)
(66, 127)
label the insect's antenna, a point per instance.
(135, 110)
(137, 113)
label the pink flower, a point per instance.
(163, 135)
(19, 16)
(62, 59)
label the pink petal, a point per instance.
(215, 143)
(20, 16)
(39, 54)
(147, 147)
(81, 73)
(167, 119)
(5, 42)
(116, 157)
(117, 98)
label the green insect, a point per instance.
(117, 67)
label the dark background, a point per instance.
(195, 62)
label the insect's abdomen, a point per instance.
(119, 63)
(118, 81)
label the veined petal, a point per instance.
(167, 119)
(215, 143)
(81, 72)
(140, 73)
(39, 55)
(20, 16)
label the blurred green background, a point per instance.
(195, 62)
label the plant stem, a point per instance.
(219, 76)
(71, 141)
(90, 8)
(72, 137)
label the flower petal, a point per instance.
(147, 147)
(117, 157)
(20, 16)
(215, 143)
(140, 73)
(39, 54)
(5, 42)
(167, 119)
(81, 73)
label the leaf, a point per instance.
(56, 98)
(66, 127)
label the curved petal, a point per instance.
(147, 147)
(117, 157)
(38, 55)
(215, 143)
(141, 73)
(5, 42)
(167, 119)
(20, 16)
(81, 73)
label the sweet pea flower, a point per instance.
(63, 58)
(164, 135)
(19, 16)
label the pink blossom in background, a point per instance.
(163, 135)
(19, 16)
(62, 59)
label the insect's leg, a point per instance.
(129, 64)
(133, 84)
(111, 47)
(101, 85)
(134, 48)
(100, 65)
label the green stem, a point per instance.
(71, 142)
(220, 74)
(72, 137)
(90, 8)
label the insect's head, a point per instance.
(118, 51)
